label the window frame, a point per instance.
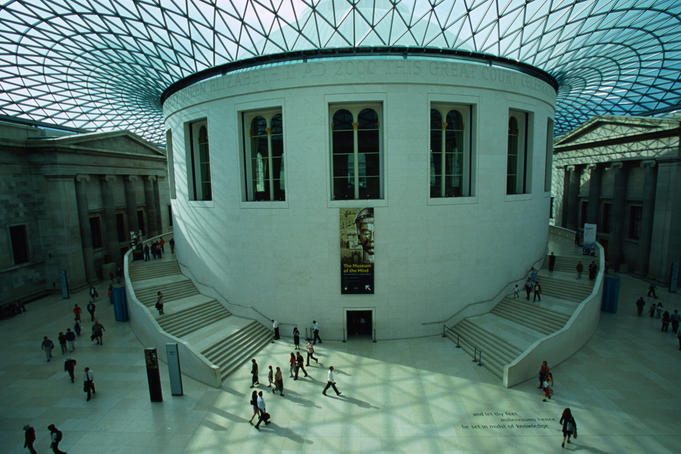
(196, 190)
(631, 234)
(170, 160)
(355, 108)
(523, 159)
(96, 233)
(27, 248)
(246, 118)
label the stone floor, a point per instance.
(417, 396)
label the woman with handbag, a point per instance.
(569, 426)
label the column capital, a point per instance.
(593, 166)
(616, 165)
(130, 178)
(150, 178)
(648, 163)
(82, 178)
(570, 168)
(108, 178)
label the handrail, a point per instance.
(503, 289)
(477, 351)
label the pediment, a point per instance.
(601, 129)
(117, 142)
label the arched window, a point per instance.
(356, 152)
(518, 156)
(198, 162)
(450, 151)
(264, 155)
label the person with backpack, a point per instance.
(70, 339)
(70, 368)
(55, 437)
(47, 347)
(97, 333)
(569, 426)
(91, 309)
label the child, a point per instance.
(547, 385)
(516, 292)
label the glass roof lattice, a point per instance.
(104, 64)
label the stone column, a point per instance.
(157, 204)
(649, 182)
(573, 197)
(84, 224)
(109, 218)
(665, 240)
(594, 206)
(615, 242)
(150, 204)
(131, 204)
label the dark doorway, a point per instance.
(359, 323)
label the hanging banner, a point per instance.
(357, 250)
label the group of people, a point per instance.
(567, 421)
(55, 438)
(593, 270)
(157, 249)
(531, 285)
(659, 312)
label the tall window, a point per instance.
(96, 230)
(605, 217)
(198, 162)
(356, 152)
(450, 151)
(19, 240)
(120, 227)
(264, 155)
(549, 155)
(171, 165)
(635, 215)
(518, 162)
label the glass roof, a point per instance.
(103, 64)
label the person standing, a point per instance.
(93, 293)
(275, 328)
(76, 328)
(254, 373)
(516, 292)
(98, 332)
(315, 332)
(159, 302)
(299, 365)
(172, 245)
(310, 353)
(29, 438)
(47, 347)
(651, 311)
(543, 373)
(278, 382)
(569, 426)
(70, 368)
(552, 262)
(91, 310)
(262, 412)
(651, 289)
(89, 383)
(593, 269)
(55, 437)
(76, 312)
(676, 318)
(537, 292)
(665, 321)
(270, 376)
(146, 252)
(331, 383)
(579, 268)
(528, 288)
(296, 338)
(639, 305)
(548, 385)
(62, 342)
(254, 405)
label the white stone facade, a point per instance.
(433, 255)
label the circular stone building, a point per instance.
(374, 193)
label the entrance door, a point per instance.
(359, 323)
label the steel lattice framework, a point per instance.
(103, 64)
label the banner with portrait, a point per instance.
(357, 250)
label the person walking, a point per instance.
(55, 437)
(70, 368)
(62, 342)
(172, 245)
(275, 328)
(254, 405)
(552, 262)
(528, 288)
(146, 252)
(665, 321)
(651, 311)
(91, 309)
(296, 338)
(548, 385)
(569, 426)
(76, 312)
(159, 302)
(98, 333)
(543, 372)
(278, 382)
(516, 292)
(537, 292)
(47, 347)
(70, 339)
(579, 268)
(292, 363)
(29, 438)
(270, 376)
(262, 412)
(315, 332)
(93, 293)
(89, 383)
(254, 373)
(310, 353)
(331, 383)
(651, 289)
(640, 302)
(676, 318)
(299, 365)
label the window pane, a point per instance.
(369, 187)
(342, 120)
(512, 162)
(19, 243)
(367, 119)
(435, 120)
(277, 125)
(259, 127)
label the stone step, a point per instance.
(542, 320)
(192, 319)
(152, 269)
(534, 311)
(172, 291)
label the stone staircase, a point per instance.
(513, 325)
(240, 346)
(187, 311)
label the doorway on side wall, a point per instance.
(359, 323)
